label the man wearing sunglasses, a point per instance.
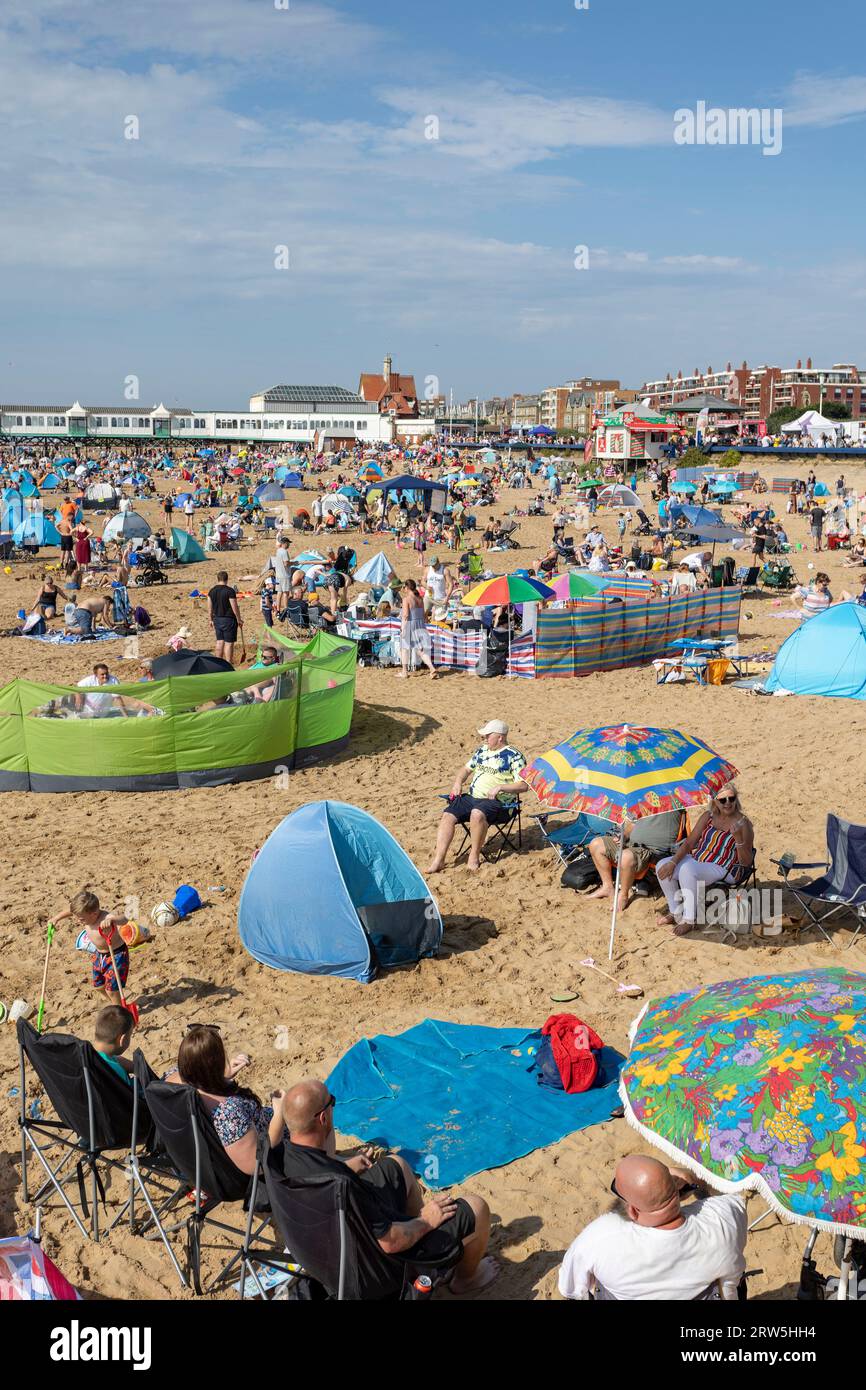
(391, 1200)
(652, 1248)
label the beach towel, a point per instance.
(456, 1099)
(58, 639)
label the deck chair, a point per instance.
(841, 887)
(97, 1128)
(186, 1132)
(748, 576)
(321, 1222)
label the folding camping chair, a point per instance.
(97, 1117)
(841, 886)
(568, 839)
(501, 834)
(748, 576)
(321, 1222)
(185, 1130)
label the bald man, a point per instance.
(653, 1248)
(390, 1198)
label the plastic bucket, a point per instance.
(133, 934)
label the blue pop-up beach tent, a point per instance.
(370, 907)
(377, 570)
(36, 529)
(269, 492)
(825, 656)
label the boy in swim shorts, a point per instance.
(101, 927)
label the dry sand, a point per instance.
(512, 935)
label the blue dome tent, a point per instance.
(825, 656)
(371, 906)
(36, 529)
(268, 492)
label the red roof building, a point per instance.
(393, 393)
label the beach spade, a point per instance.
(41, 1012)
(126, 1003)
(629, 991)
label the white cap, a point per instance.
(493, 726)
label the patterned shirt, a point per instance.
(506, 764)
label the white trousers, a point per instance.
(681, 889)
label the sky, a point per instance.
(490, 191)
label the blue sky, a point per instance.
(304, 127)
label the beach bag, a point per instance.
(186, 900)
(141, 616)
(580, 873)
(574, 1048)
(34, 626)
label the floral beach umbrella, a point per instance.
(624, 771)
(761, 1084)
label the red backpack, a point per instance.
(575, 1047)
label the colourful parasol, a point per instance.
(574, 585)
(622, 772)
(761, 1083)
(507, 588)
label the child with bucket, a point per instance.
(111, 934)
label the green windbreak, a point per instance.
(184, 725)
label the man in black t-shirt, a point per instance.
(388, 1193)
(225, 616)
(816, 525)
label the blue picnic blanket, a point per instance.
(63, 639)
(455, 1099)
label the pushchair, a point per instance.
(779, 575)
(565, 550)
(644, 527)
(505, 540)
(149, 571)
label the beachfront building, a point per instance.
(525, 412)
(632, 436)
(763, 389)
(324, 416)
(391, 392)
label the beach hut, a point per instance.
(186, 547)
(126, 525)
(371, 906)
(825, 656)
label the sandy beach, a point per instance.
(512, 937)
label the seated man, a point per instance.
(655, 1249)
(390, 1198)
(645, 840)
(496, 783)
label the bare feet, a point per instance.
(624, 900)
(683, 928)
(473, 864)
(487, 1271)
(402, 675)
(665, 919)
(602, 892)
(435, 868)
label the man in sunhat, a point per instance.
(495, 785)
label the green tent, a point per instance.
(186, 547)
(185, 731)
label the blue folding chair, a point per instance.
(843, 884)
(566, 840)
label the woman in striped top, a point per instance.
(719, 849)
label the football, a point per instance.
(164, 915)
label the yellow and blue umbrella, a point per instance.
(622, 772)
(761, 1084)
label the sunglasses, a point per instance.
(332, 1100)
(211, 1027)
(725, 800)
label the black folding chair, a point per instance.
(500, 834)
(185, 1129)
(842, 887)
(97, 1117)
(321, 1222)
